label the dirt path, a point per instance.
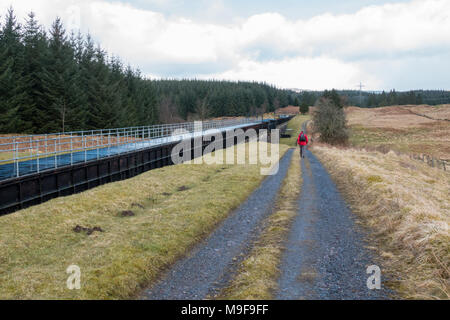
(211, 264)
(325, 257)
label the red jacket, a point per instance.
(302, 143)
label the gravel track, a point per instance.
(325, 255)
(210, 265)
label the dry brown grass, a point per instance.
(257, 275)
(436, 112)
(407, 206)
(174, 207)
(397, 116)
(402, 129)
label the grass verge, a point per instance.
(406, 205)
(121, 235)
(257, 275)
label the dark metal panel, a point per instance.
(64, 183)
(103, 168)
(79, 175)
(48, 183)
(29, 188)
(64, 180)
(115, 165)
(9, 195)
(158, 158)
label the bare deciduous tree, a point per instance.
(202, 108)
(330, 122)
(168, 110)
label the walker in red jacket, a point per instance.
(302, 141)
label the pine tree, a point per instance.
(304, 107)
(33, 111)
(10, 72)
(60, 80)
(334, 97)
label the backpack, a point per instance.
(303, 138)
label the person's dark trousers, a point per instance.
(301, 151)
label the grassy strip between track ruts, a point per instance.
(406, 206)
(257, 275)
(145, 224)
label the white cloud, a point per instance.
(321, 52)
(312, 73)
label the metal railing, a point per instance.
(22, 155)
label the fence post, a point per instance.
(31, 151)
(98, 149)
(37, 155)
(56, 157)
(71, 148)
(83, 143)
(16, 155)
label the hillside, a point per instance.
(409, 129)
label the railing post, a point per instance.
(56, 156)
(71, 148)
(109, 142)
(83, 144)
(37, 155)
(31, 152)
(117, 139)
(16, 160)
(98, 150)
(97, 146)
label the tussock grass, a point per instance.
(174, 207)
(257, 275)
(407, 206)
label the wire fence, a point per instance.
(432, 161)
(21, 155)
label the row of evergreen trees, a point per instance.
(202, 99)
(393, 97)
(51, 82)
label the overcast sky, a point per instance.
(290, 43)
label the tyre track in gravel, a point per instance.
(211, 264)
(325, 256)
